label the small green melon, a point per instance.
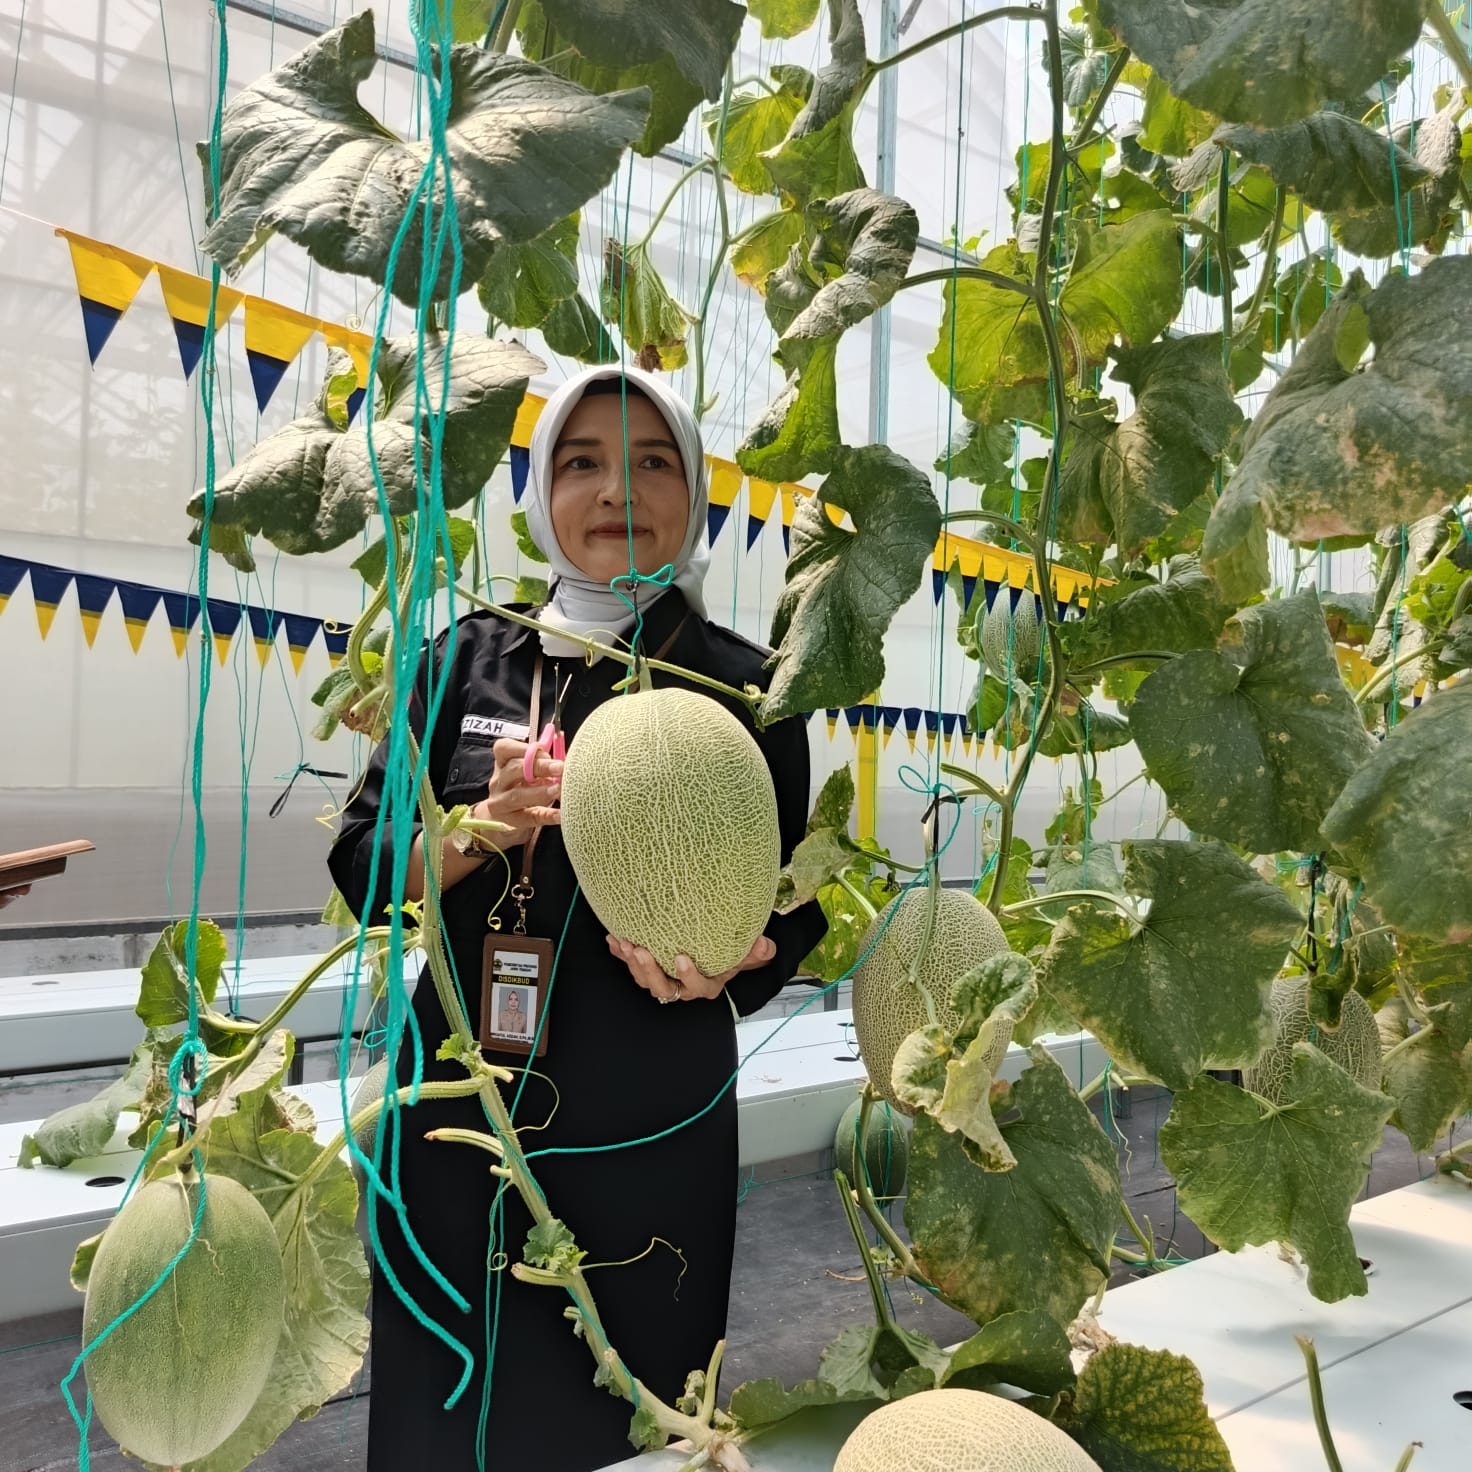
(1354, 1045)
(1001, 626)
(369, 1091)
(955, 1430)
(886, 1154)
(669, 818)
(887, 1008)
(177, 1376)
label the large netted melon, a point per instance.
(1354, 1045)
(670, 820)
(953, 1430)
(174, 1379)
(887, 1008)
(886, 1155)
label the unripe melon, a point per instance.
(886, 1148)
(887, 1008)
(174, 1379)
(670, 821)
(954, 1430)
(1354, 1045)
(1001, 626)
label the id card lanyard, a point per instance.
(516, 969)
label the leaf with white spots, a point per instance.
(1164, 995)
(1254, 740)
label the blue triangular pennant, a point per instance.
(521, 465)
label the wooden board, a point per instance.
(27, 865)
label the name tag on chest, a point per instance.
(492, 729)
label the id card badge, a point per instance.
(515, 975)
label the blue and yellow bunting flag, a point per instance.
(93, 596)
(274, 335)
(187, 301)
(108, 279)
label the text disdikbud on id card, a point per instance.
(516, 972)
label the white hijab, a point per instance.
(578, 603)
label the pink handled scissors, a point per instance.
(550, 741)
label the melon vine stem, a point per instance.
(903, 1257)
(1006, 12)
(1316, 1398)
(1446, 33)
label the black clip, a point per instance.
(311, 771)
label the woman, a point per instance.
(630, 1052)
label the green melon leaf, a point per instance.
(1084, 68)
(990, 336)
(531, 591)
(310, 486)
(1253, 741)
(863, 242)
(843, 587)
(755, 122)
(835, 802)
(1125, 282)
(1249, 1173)
(634, 299)
(783, 19)
(836, 955)
(868, 1359)
(816, 863)
(572, 329)
(1169, 126)
(672, 95)
(1336, 452)
(765, 1402)
(1085, 170)
(524, 282)
(1166, 997)
(1431, 1083)
(981, 453)
(798, 435)
(1402, 820)
(979, 1235)
(1027, 1349)
(1144, 1410)
(949, 1076)
(1443, 975)
(1264, 61)
(1174, 617)
(698, 37)
(1076, 867)
(85, 1128)
(524, 544)
(371, 564)
(1301, 295)
(549, 1244)
(1420, 213)
(1332, 162)
(1154, 464)
(163, 998)
(765, 247)
(268, 1145)
(816, 160)
(299, 155)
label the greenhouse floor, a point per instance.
(797, 1282)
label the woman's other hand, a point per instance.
(509, 799)
(689, 984)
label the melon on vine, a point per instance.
(1354, 1045)
(954, 1430)
(888, 1007)
(178, 1375)
(369, 1091)
(1011, 640)
(669, 817)
(886, 1153)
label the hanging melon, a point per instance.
(886, 1154)
(1002, 627)
(1354, 1045)
(670, 820)
(369, 1091)
(181, 1372)
(954, 1430)
(887, 1006)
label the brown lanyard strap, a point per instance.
(523, 891)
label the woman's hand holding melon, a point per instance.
(690, 984)
(511, 800)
